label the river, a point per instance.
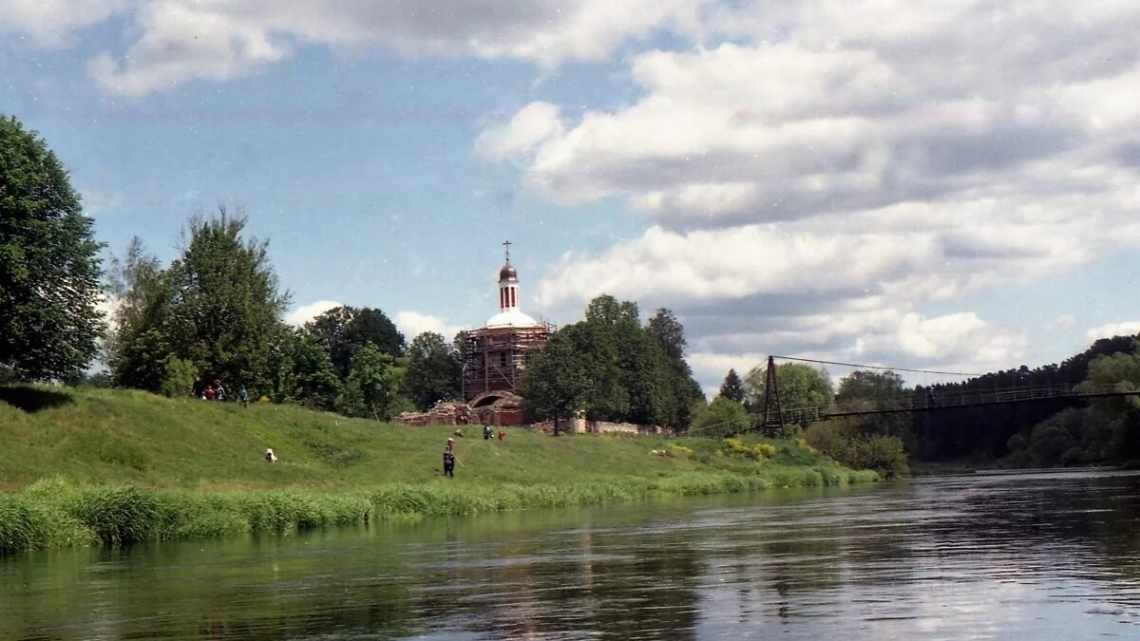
(1042, 556)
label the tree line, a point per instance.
(1041, 433)
(611, 367)
(214, 314)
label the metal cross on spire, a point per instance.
(507, 248)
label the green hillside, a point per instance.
(68, 449)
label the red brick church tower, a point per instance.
(495, 356)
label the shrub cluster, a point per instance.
(884, 454)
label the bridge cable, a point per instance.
(878, 367)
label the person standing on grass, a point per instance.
(243, 396)
(221, 389)
(449, 459)
(210, 393)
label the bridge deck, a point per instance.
(932, 403)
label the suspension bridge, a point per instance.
(775, 416)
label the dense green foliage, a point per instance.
(984, 432)
(49, 264)
(372, 386)
(178, 377)
(1105, 431)
(434, 370)
(846, 443)
(308, 377)
(216, 306)
(801, 386)
(126, 465)
(722, 417)
(342, 331)
(732, 388)
(612, 368)
(1038, 433)
(558, 382)
(214, 314)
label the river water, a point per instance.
(1044, 556)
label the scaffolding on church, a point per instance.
(495, 358)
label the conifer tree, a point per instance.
(733, 387)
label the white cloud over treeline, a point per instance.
(829, 170)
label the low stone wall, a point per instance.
(585, 426)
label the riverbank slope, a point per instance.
(84, 465)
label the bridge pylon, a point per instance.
(773, 413)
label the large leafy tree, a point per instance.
(227, 306)
(308, 377)
(869, 389)
(345, 330)
(669, 332)
(372, 385)
(49, 265)
(434, 370)
(558, 382)
(138, 347)
(684, 397)
(613, 368)
(801, 386)
(217, 306)
(864, 389)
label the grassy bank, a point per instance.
(84, 466)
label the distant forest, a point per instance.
(1043, 432)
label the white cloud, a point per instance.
(840, 158)
(306, 313)
(1108, 330)
(183, 40)
(532, 125)
(412, 324)
(50, 23)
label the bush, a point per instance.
(178, 378)
(723, 417)
(1048, 442)
(884, 454)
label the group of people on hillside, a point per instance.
(217, 392)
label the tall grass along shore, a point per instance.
(87, 467)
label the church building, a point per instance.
(495, 356)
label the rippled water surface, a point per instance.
(989, 557)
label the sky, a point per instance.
(941, 185)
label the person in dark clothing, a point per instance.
(449, 459)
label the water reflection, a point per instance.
(1042, 557)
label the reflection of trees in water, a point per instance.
(652, 577)
(267, 589)
(608, 582)
(1092, 520)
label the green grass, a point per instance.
(114, 467)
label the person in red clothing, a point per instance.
(210, 393)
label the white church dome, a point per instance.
(512, 317)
